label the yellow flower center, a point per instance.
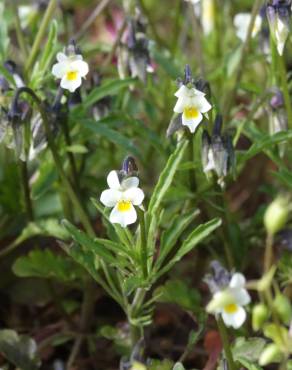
(231, 308)
(124, 205)
(72, 75)
(191, 112)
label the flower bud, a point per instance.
(278, 14)
(276, 215)
(270, 354)
(260, 314)
(283, 307)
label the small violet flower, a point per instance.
(122, 196)
(241, 23)
(70, 69)
(191, 103)
(230, 301)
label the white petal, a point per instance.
(241, 23)
(236, 319)
(123, 218)
(180, 105)
(182, 92)
(70, 85)
(113, 180)
(203, 105)
(130, 182)
(192, 123)
(59, 69)
(80, 66)
(134, 195)
(241, 297)
(237, 281)
(110, 197)
(61, 57)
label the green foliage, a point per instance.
(20, 350)
(176, 291)
(47, 265)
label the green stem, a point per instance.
(26, 190)
(268, 258)
(19, 33)
(39, 37)
(192, 173)
(285, 89)
(144, 254)
(71, 158)
(230, 96)
(135, 330)
(58, 162)
(226, 346)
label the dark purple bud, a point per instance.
(188, 75)
(218, 125)
(129, 167)
(219, 279)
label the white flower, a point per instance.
(191, 103)
(230, 301)
(241, 23)
(123, 196)
(70, 69)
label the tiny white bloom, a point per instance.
(70, 69)
(241, 23)
(122, 196)
(230, 301)
(192, 104)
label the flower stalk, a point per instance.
(225, 342)
(144, 254)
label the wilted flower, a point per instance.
(134, 56)
(279, 13)
(71, 68)
(229, 302)
(122, 195)
(217, 152)
(241, 23)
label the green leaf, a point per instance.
(108, 88)
(178, 292)
(172, 234)
(46, 264)
(77, 148)
(166, 177)
(49, 227)
(112, 135)
(20, 350)
(199, 234)
(50, 46)
(89, 244)
(4, 37)
(265, 142)
(248, 349)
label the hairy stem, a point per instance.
(226, 344)
(26, 190)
